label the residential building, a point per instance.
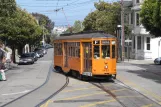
(144, 46)
(59, 29)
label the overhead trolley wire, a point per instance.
(64, 6)
(66, 18)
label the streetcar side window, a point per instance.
(113, 49)
(96, 51)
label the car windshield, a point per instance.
(25, 55)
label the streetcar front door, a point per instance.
(87, 58)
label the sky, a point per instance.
(70, 10)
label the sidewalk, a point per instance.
(140, 65)
(133, 61)
(12, 66)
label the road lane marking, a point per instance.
(146, 92)
(87, 95)
(46, 104)
(26, 91)
(79, 82)
(78, 89)
(97, 103)
(149, 105)
(108, 101)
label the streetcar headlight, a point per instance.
(106, 66)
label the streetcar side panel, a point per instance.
(74, 63)
(58, 54)
(71, 55)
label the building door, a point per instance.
(87, 57)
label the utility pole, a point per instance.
(43, 40)
(122, 31)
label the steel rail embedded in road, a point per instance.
(30, 91)
(108, 91)
(52, 95)
(130, 88)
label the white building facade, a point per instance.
(60, 29)
(144, 47)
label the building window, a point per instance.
(139, 42)
(137, 1)
(137, 19)
(148, 43)
(126, 18)
(132, 18)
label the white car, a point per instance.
(157, 60)
(37, 55)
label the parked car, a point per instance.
(39, 52)
(26, 58)
(44, 50)
(37, 55)
(33, 54)
(47, 46)
(157, 60)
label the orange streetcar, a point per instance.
(86, 54)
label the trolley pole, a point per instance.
(122, 31)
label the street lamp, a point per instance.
(122, 30)
(119, 39)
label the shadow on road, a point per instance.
(88, 79)
(150, 71)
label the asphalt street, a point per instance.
(137, 85)
(25, 78)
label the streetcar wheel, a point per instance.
(79, 76)
(114, 76)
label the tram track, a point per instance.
(39, 88)
(54, 94)
(99, 85)
(132, 89)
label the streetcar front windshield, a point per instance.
(105, 49)
(96, 51)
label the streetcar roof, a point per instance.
(84, 36)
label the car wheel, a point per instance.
(155, 63)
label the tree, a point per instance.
(44, 21)
(19, 29)
(69, 30)
(151, 16)
(90, 21)
(106, 17)
(77, 27)
(7, 7)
